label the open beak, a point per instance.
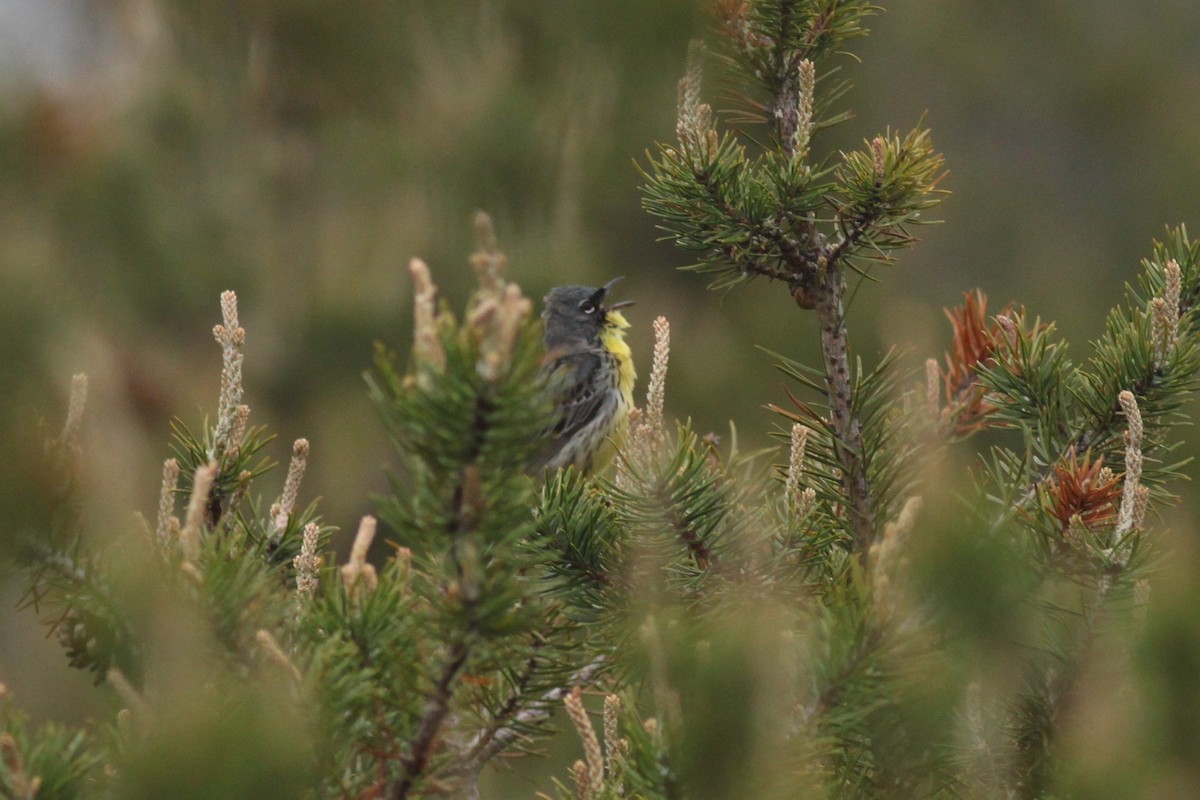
(606, 288)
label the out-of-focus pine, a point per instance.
(855, 617)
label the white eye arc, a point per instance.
(587, 307)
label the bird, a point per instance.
(589, 371)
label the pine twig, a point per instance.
(431, 723)
(848, 442)
(487, 743)
(847, 428)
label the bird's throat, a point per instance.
(612, 339)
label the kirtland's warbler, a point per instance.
(590, 370)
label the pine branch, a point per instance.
(850, 239)
(758, 217)
(1041, 714)
(479, 749)
(1076, 412)
(846, 426)
(828, 303)
(506, 729)
(830, 695)
(425, 738)
(700, 552)
(786, 104)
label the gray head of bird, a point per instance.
(574, 313)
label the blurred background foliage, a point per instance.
(156, 152)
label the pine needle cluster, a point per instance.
(703, 623)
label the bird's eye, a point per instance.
(587, 307)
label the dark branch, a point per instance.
(425, 740)
(850, 238)
(848, 443)
(477, 752)
(493, 740)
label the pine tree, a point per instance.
(847, 623)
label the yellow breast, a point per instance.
(612, 339)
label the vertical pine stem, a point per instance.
(840, 392)
(831, 313)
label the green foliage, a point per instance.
(464, 443)
(51, 762)
(810, 629)
(783, 214)
(200, 749)
(366, 663)
(1059, 408)
(891, 447)
(579, 526)
(883, 188)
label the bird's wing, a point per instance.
(579, 397)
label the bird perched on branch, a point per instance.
(589, 369)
